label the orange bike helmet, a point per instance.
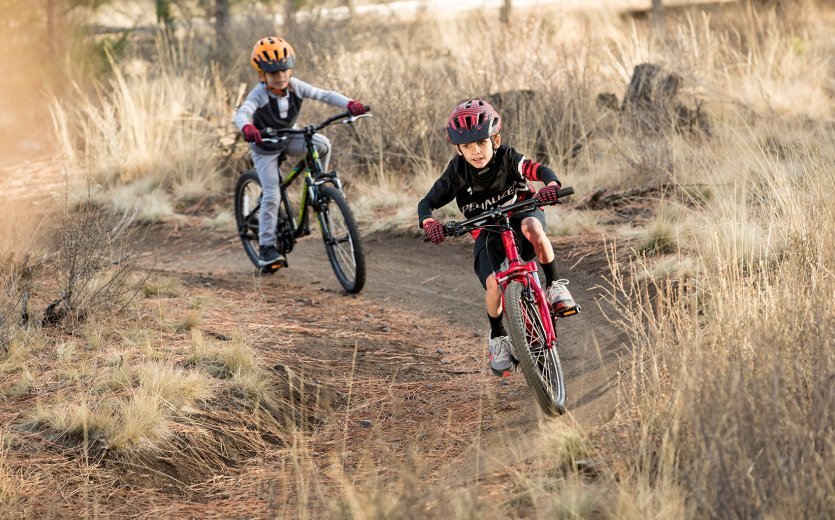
(472, 121)
(272, 54)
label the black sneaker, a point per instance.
(270, 255)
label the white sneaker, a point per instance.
(501, 361)
(561, 300)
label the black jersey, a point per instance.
(503, 181)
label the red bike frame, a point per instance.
(527, 274)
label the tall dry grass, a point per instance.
(147, 138)
(732, 375)
(739, 350)
(732, 370)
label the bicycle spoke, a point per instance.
(345, 254)
(339, 231)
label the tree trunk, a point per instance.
(290, 8)
(163, 9)
(53, 27)
(504, 12)
(658, 17)
(222, 30)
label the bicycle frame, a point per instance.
(524, 272)
(527, 274)
(310, 167)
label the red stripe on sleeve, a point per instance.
(530, 170)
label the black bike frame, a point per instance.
(309, 166)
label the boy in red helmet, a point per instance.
(275, 103)
(483, 174)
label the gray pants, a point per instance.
(267, 168)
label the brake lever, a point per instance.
(350, 119)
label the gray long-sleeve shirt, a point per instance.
(263, 108)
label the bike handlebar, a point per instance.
(272, 134)
(456, 229)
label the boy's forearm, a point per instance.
(548, 176)
(308, 91)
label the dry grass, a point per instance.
(151, 134)
(755, 351)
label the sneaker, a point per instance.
(501, 361)
(561, 300)
(270, 255)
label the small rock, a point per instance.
(207, 284)
(385, 328)
(441, 351)
(430, 386)
(446, 362)
(365, 423)
(504, 382)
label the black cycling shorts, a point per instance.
(489, 249)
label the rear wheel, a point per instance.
(342, 239)
(540, 364)
(247, 208)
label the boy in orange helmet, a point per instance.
(275, 103)
(483, 174)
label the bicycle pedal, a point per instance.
(270, 269)
(568, 312)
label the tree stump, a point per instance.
(651, 105)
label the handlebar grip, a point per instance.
(565, 192)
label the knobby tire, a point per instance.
(342, 240)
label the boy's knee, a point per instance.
(490, 284)
(531, 227)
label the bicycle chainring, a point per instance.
(284, 235)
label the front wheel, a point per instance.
(342, 239)
(540, 364)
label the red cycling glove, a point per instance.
(434, 230)
(547, 195)
(355, 108)
(251, 134)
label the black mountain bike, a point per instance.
(322, 192)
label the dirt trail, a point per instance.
(423, 281)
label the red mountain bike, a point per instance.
(530, 319)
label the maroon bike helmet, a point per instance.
(472, 121)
